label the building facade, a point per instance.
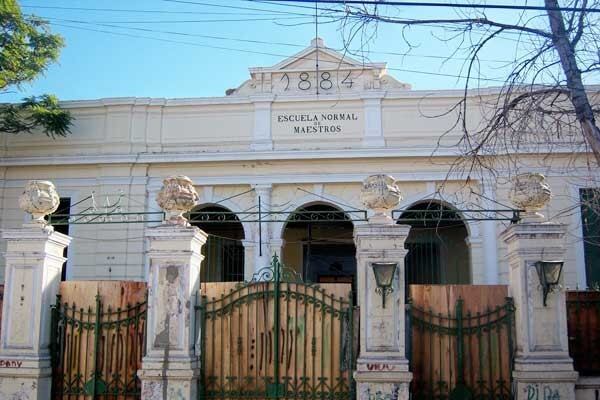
(296, 139)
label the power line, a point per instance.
(224, 6)
(122, 10)
(260, 52)
(440, 5)
(275, 18)
(270, 43)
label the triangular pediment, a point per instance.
(333, 72)
(317, 52)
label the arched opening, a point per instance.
(437, 245)
(223, 252)
(318, 244)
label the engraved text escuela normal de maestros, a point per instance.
(321, 122)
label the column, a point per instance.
(171, 368)
(262, 251)
(373, 124)
(490, 239)
(33, 264)
(382, 368)
(261, 134)
(478, 273)
(249, 249)
(542, 368)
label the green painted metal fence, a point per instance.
(96, 352)
(276, 337)
(461, 354)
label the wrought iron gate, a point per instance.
(461, 355)
(277, 337)
(96, 353)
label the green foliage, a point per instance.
(36, 112)
(27, 47)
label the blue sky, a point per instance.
(127, 53)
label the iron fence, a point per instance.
(95, 353)
(461, 354)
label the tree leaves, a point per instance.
(27, 48)
(42, 112)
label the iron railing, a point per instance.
(95, 353)
(461, 354)
(276, 337)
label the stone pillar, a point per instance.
(262, 252)
(382, 367)
(543, 368)
(33, 265)
(171, 368)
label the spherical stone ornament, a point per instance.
(39, 199)
(177, 196)
(530, 192)
(381, 194)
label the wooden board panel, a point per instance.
(240, 335)
(435, 345)
(114, 352)
(583, 324)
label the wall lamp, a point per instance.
(549, 274)
(384, 277)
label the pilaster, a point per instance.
(261, 134)
(373, 136)
(170, 366)
(382, 367)
(262, 253)
(33, 265)
(542, 363)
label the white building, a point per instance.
(297, 143)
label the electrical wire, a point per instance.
(380, 3)
(260, 52)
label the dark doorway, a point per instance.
(437, 249)
(223, 252)
(60, 221)
(319, 244)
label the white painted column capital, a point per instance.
(33, 266)
(175, 256)
(542, 359)
(261, 134)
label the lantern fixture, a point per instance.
(549, 273)
(384, 277)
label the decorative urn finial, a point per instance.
(530, 192)
(39, 199)
(177, 196)
(380, 193)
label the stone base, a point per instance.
(382, 378)
(382, 385)
(549, 384)
(587, 388)
(169, 384)
(18, 383)
(373, 141)
(262, 145)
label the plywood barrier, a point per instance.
(461, 341)
(98, 337)
(261, 344)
